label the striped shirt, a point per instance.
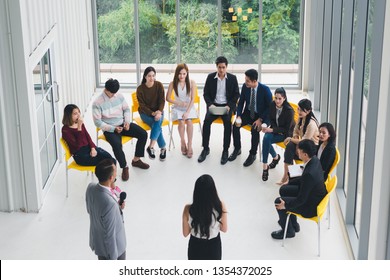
(109, 113)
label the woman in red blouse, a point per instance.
(75, 134)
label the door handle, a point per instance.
(57, 92)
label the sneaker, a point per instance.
(125, 173)
(150, 152)
(163, 154)
(140, 164)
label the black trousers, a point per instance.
(246, 119)
(287, 193)
(227, 129)
(205, 249)
(290, 153)
(83, 156)
(115, 140)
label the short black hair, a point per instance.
(252, 74)
(307, 146)
(112, 85)
(221, 59)
(104, 169)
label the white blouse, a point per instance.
(214, 227)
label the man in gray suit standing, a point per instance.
(107, 231)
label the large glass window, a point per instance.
(203, 36)
(116, 39)
(363, 120)
(281, 36)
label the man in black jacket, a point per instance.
(220, 90)
(252, 109)
(303, 194)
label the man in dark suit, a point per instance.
(253, 108)
(303, 194)
(107, 231)
(220, 90)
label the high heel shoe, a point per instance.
(189, 152)
(184, 150)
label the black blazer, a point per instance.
(311, 190)
(286, 119)
(263, 99)
(327, 157)
(232, 90)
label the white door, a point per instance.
(46, 98)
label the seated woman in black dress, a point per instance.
(80, 144)
(326, 147)
(204, 219)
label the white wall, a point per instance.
(380, 211)
(28, 28)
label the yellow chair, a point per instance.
(332, 168)
(125, 139)
(321, 208)
(73, 164)
(135, 117)
(335, 162)
(296, 118)
(194, 121)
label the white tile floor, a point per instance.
(155, 200)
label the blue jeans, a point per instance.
(268, 140)
(156, 132)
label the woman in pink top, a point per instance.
(80, 144)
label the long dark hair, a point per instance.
(180, 67)
(205, 200)
(331, 131)
(305, 105)
(283, 93)
(146, 72)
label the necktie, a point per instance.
(252, 104)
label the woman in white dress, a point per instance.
(183, 109)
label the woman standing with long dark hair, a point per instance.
(204, 219)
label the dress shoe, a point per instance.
(140, 164)
(297, 227)
(125, 173)
(224, 158)
(203, 155)
(249, 160)
(279, 234)
(234, 155)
